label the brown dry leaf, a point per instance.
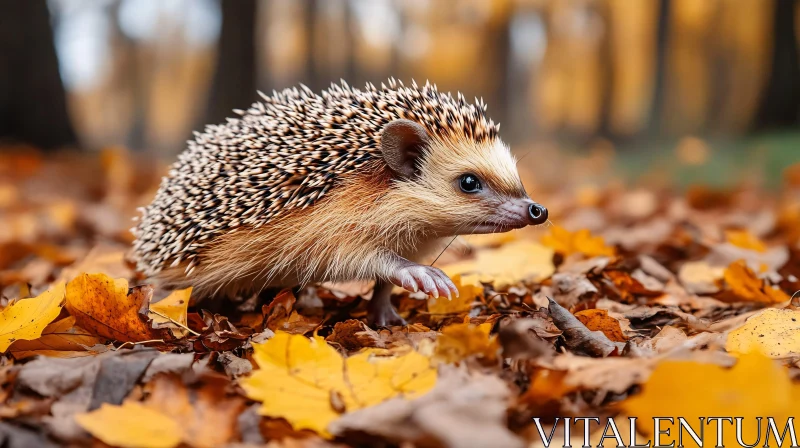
(105, 307)
(614, 374)
(279, 310)
(206, 415)
(579, 338)
(570, 289)
(462, 410)
(522, 338)
(459, 341)
(353, 335)
(60, 339)
(744, 284)
(599, 320)
(220, 334)
(579, 242)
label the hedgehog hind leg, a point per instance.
(380, 311)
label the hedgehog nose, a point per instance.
(537, 213)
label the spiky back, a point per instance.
(284, 153)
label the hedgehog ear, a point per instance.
(402, 142)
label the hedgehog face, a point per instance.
(474, 188)
(453, 186)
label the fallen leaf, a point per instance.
(171, 312)
(599, 320)
(467, 293)
(614, 374)
(570, 289)
(463, 410)
(353, 335)
(220, 334)
(308, 383)
(745, 240)
(105, 307)
(520, 338)
(60, 339)
(507, 265)
(755, 387)
(745, 285)
(699, 277)
(131, 425)
(279, 310)
(25, 319)
(579, 242)
(206, 414)
(774, 332)
(459, 341)
(579, 338)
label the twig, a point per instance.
(175, 322)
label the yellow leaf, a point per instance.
(745, 240)
(131, 425)
(467, 293)
(578, 242)
(755, 387)
(170, 310)
(308, 383)
(506, 265)
(458, 341)
(745, 285)
(60, 339)
(103, 306)
(374, 378)
(26, 318)
(775, 332)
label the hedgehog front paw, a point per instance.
(428, 279)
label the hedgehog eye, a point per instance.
(470, 183)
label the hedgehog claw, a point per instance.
(428, 279)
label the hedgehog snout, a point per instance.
(537, 213)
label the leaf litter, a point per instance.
(637, 303)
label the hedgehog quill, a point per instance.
(347, 185)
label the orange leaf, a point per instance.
(595, 320)
(745, 240)
(745, 285)
(582, 242)
(104, 307)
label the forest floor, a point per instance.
(635, 302)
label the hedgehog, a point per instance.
(348, 185)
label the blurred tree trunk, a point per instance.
(499, 46)
(606, 73)
(310, 24)
(780, 104)
(33, 105)
(662, 45)
(234, 85)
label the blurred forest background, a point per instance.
(689, 78)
